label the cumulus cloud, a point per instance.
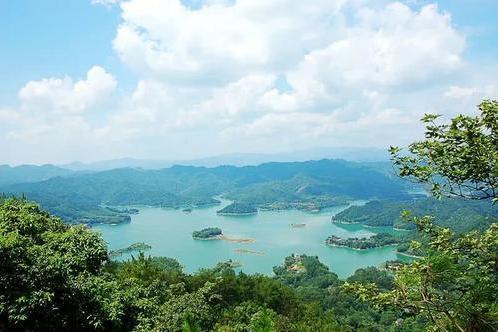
(462, 92)
(394, 48)
(62, 95)
(259, 75)
(221, 41)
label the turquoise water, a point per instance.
(169, 232)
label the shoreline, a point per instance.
(360, 249)
(345, 222)
(227, 214)
(211, 238)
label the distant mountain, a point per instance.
(239, 159)
(311, 181)
(30, 173)
(105, 165)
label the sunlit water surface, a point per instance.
(169, 232)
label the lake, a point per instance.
(169, 232)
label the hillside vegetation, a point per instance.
(457, 214)
(80, 197)
(59, 277)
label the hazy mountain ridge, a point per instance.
(238, 159)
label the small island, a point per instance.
(237, 209)
(138, 246)
(376, 241)
(210, 233)
(297, 225)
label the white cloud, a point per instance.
(255, 75)
(220, 42)
(394, 48)
(62, 95)
(459, 92)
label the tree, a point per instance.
(455, 286)
(49, 273)
(456, 159)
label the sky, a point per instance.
(92, 80)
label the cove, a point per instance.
(169, 232)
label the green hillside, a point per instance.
(320, 183)
(456, 214)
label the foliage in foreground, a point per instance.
(456, 159)
(58, 277)
(455, 286)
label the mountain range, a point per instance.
(320, 183)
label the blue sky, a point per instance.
(59, 37)
(53, 38)
(174, 88)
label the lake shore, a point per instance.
(361, 249)
(236, 214)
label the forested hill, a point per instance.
(193, 186)
(457, 214)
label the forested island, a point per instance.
(237, 209)
(210, 233)
(375, 241)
